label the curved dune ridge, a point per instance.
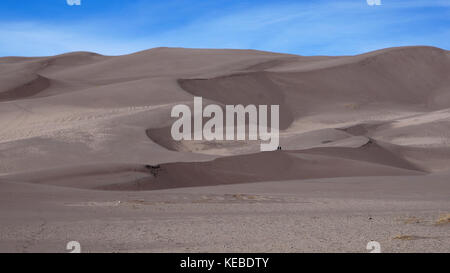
(268, 166)
(369, 160)
(411, 76)
(88, 121)
(26, 77)
(29, 89)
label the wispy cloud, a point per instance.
(308, 28)
(35, 39)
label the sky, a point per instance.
(304, 27)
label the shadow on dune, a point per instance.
(371, 160)
(26, 90)
(248, 88)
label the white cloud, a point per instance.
(374, 2)
(74, 2)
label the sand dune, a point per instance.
(99, 103)
(82, 124)
(114, 109)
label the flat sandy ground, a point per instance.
(86, 153)
(329, 215)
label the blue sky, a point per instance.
(114, 27)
